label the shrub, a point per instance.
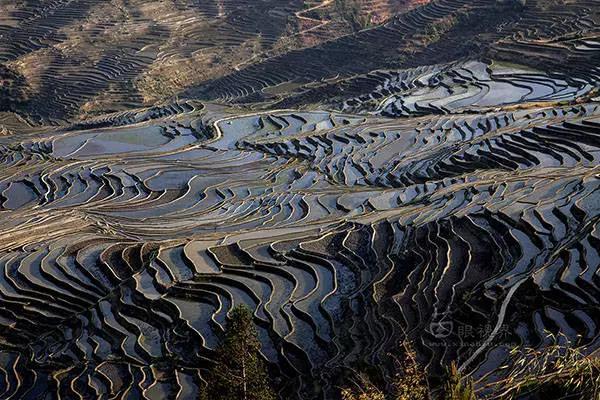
(351, 12)
(363, 390)
(12, 89)
(410, 380)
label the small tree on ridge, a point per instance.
(239, 372)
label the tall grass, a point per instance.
(558, 371)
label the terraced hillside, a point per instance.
(432, 178)
(80, 58)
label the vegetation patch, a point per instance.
(554, 372)
(12, 88)
(239, 371)
(351, 12)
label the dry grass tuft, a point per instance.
(410, 382)
(458, 387)
(559, 371)
(363, 390)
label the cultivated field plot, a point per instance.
(429, 175)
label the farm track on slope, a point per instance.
(352, 200)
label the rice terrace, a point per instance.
(285, 199)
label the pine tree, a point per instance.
(239, 372)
